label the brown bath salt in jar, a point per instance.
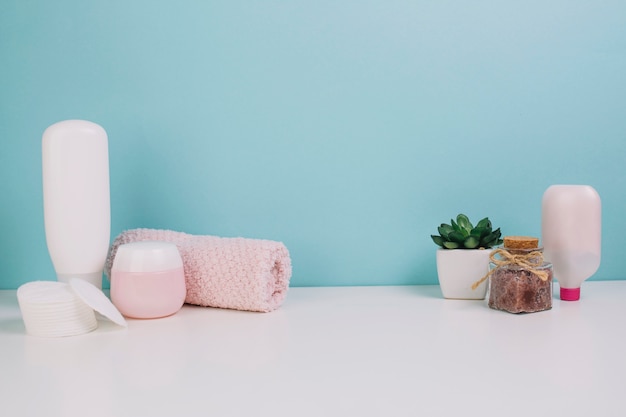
(520, 281)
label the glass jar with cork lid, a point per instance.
(520, 281)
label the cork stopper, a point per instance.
(521, 242)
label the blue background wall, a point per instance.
(348, 130)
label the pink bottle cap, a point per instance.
(570, 294)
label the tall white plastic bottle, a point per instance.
(571, 233)
(76, 195)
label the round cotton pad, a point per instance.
(52, 309)
(95, 298)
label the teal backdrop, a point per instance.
(349, 130)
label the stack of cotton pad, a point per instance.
(57, 309)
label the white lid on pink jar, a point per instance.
(147, 256)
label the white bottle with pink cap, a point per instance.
(571, 221)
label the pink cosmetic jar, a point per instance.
(147, 280)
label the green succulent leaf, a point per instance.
(492, 239)
(471, 242)
(478, 232)
(485, 223)
(437, 239)
(451, 245)
(444, 230)
(487, 245)
(457, 237)
(459, 229)
(464, 223)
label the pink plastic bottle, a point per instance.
(147, 280)
(571, 235)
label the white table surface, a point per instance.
(348, 351)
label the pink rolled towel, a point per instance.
(235, 273)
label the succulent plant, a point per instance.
(462, 235)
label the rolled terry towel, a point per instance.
(235, 273)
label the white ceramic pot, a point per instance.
(458, 269)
